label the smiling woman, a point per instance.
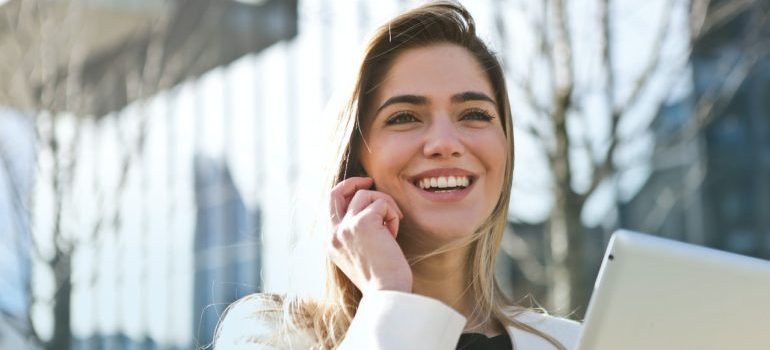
(418, 207)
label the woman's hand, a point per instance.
(363, 243)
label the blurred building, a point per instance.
(16, 172)
(711, 183)
(166, 245)
(192, 176)
(227, 261)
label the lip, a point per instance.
(452, 196)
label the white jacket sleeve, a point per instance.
(388, 320)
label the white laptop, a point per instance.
(654, 293)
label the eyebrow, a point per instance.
(471, 96)
(422, 100)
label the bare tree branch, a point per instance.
(564, 224)
(721, 13)
(561, 63)
(524, 83)
(669, 197)
(605, 167)
(541, 113)
(712, 103)
(605, 51)
(698, 11)
(561, 58)
(653, 62)
(519, 250)
(56, 80)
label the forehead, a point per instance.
(436, 72)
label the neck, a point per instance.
(445, 277)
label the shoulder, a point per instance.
(257, 321)
(564, 330)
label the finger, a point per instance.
(385, 215)
(343, 192)
(391, 222)
(364, 198)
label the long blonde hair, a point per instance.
(432, 23)
(437, 22)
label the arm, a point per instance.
(404, 321)
(363, 246)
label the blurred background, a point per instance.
(160, 159)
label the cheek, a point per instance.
(496, 158)
(496, 165)
(385, 159)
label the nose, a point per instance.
(442, 140)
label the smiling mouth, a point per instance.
(444, 183)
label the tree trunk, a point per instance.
(565, 229)
(62, 336)
(568, 292)
(559, 295)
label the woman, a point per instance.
(418, 208)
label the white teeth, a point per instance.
(444, 182)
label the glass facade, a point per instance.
(721, 183)
(206, 191)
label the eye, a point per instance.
(478, 114)
(401, 118)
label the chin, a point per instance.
(439, 232)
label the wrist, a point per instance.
(396, 286)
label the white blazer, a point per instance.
(385, 320)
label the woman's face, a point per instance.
(435, 143)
